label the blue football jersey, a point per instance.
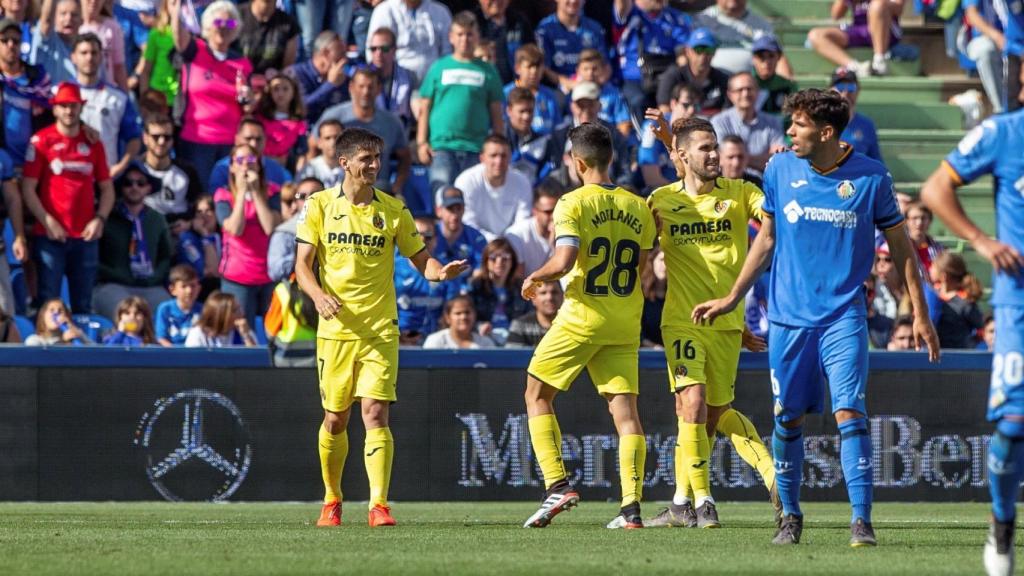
(994, 148)
(548, 112)
(562, 46)
(825, 234)
(862, 134)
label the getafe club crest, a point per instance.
(378, 221)
(846, 189)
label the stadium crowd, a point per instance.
(157, 154)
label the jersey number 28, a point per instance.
(624, 261)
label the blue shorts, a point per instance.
(802, 359)
(1006, 395)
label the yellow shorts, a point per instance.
(352, 369)
(701, 356)
(559, 359)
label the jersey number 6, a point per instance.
(624, 260)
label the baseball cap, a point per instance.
(843, 74)
(702, 37)
(586, 90)
(450, 196)
(8, 23)
(766, 43)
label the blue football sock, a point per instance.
(856, 457)
(1005, 470)
(788, 452)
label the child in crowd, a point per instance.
(199, 245)
(134, 324)
(988, 333)
(54, 326)
(960, 318)
(98, 18)
(486, 51)
(592, 67)
(221, 324)
(549, 106)
(175, 317)
(460, 319)
(284, 119)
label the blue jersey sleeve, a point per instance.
(160, 322)
(650, 147)
(886, 210)
(977, 153)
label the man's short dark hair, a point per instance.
(250, 121)
(821, 106)
(733, 139)
(353, 140)
(686, 87)
(496, 139)
(466, 20)
(549, 188)
(330, 122)
(387, 32)
(521, 96)
(311, 180)
(369, 72)
(89, 37)
(905, 320)
(592, 143)
(684, 128)
(157, 120)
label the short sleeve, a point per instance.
(160, 321)
(886, 211)
(131, 126)
(35, 160)
(753, 197)
(976, 153)
(99, 158)
(494, 91)
(566, 218)
(427, 87)
(649, 232)
(149, 55)
(310, 223)
(407, 237)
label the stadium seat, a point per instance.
(418, 196)
(25, 326)
(94, 325)
(260, 330)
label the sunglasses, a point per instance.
(161, 137)
(137, 182)
(704, 50)
(225, 23)
(848, 87)
(10, 40)
(240, 160)
(383, 49)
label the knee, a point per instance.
(789, 424)
(878, 9)
(844, 415)
(335, 422)
(817, 36)
(375, 413)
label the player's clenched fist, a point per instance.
(326, 305)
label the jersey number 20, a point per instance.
(624, 260)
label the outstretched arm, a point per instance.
(758, 259)
(433, 270)
(560, 263)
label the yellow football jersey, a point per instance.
(705, 243)
(355, 246)
(603, 301)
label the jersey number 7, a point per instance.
(624, 261)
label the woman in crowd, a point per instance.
(134, 324)
(221, 325)
(959, 318)
(495, 290)
(284, 119)
(248, 211)
(156, 68)
(460, 318)
(54, 326)
(919, 220)
(98, 18)
(654, 283)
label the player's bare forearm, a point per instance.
(909, 268)
(560, 263)
(757, 261)
(304, 256)
(939, 194)
(433, 270)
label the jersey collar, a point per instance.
(847, 153)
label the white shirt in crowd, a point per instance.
(172, 197)
(318, 168)
(103, 111)
(492, 210)
(442, 340)
(422, 33)
(198, 338)
(531, 247)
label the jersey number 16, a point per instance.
(624, 261)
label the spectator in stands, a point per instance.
(698, 72)
(919, 220)
(221, 324)
(889, 291)
(495, 289)
(460, 319)
(594, 68)
(136, 249)
(158, 71)
(530, 150)
(508, 28)
(54, 326)
(762, 132)
(317, 16)
(129, 14)
(985, 48)
(281, 250)
(496, 195)
(774, 86)
(879, 327)
(98, 18)
(1013, 28)
(175, 317)
(988, 333)
(51, 40)
(733, 160)
(251, 133)
(651, 35)
(533, 239)
(214, 80)
(321, 78)
(362, 112)
(200, 245)
(549, 110)
(291, 324)
(959, 290)
(284, 120)
(461, 99)
(11, 209)
(585, 106)
(456, 240)
(422, 33)
(656, 168)
(359, 31)
(527, 330)
(874, 24)
(397, 83)
(26, 89)
(562, 36)
(267, 36)
(69, 223)
(248, 210)
(25, 13)
(108, 110)
(485, 51)
(902, 334)
(654, 283)
(737, 29)
(419, 301)
(134, 323)
(9, 333)
(325, 166)
(860, 132)
(179, 186)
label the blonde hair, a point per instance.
(955, 268)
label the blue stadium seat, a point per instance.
(25, 326)
(418, 196)
(19, 289)
(94, 325)
(260, 330)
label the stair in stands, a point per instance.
(807, 61)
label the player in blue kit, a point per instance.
(994, 148)
(822, 204)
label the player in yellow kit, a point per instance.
(703, 233)
(603, 235)
(352, 230)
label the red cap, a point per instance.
(67, 93)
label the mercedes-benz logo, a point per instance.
(195, 446)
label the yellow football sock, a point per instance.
(748, 444)
(632, 456)
(697, 452)
(546, 438)
(333, 451)
(380, 449)
(683, 491)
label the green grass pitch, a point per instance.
(472, 539)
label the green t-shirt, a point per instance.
(158, 51)
(460, 94)
(774, 91)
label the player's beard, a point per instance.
(706, 173)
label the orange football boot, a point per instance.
(380, 516)
(330, 514)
